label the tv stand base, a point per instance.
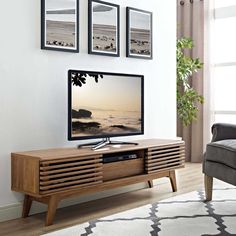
(105, 142)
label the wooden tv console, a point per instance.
(48, 176)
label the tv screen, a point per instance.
(103, 105)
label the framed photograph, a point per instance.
(138, 33)
(103, 28)
(60, 25)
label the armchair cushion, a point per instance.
(223, 152)
(221, 131)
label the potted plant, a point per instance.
(187, 96)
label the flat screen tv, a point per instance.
(104, 105)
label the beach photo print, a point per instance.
(138, 33)
(103, 28)
(60, 25)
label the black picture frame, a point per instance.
(52, 40)
(95, 47)
(144, 46)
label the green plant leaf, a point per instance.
(187, 97)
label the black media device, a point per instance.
(120, 157)
(104, 105)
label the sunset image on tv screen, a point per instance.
(105, 105)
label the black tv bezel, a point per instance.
(70, 138)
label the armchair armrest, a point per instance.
(221, 131)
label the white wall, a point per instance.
(33, 88)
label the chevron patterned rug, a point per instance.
(182, 215)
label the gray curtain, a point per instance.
(190, 20)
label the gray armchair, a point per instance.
(220, 157)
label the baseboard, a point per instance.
(14, 211)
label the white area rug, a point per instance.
(183, 215)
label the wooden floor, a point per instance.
(189, 179)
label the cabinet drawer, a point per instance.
(123, 169)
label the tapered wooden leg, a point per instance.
(52, 207)
(208, 187)
(26, 206)
(150, 183)
(173, 180)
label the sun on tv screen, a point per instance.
(103, 105)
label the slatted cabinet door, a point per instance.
(69, 173)
(164, 158)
